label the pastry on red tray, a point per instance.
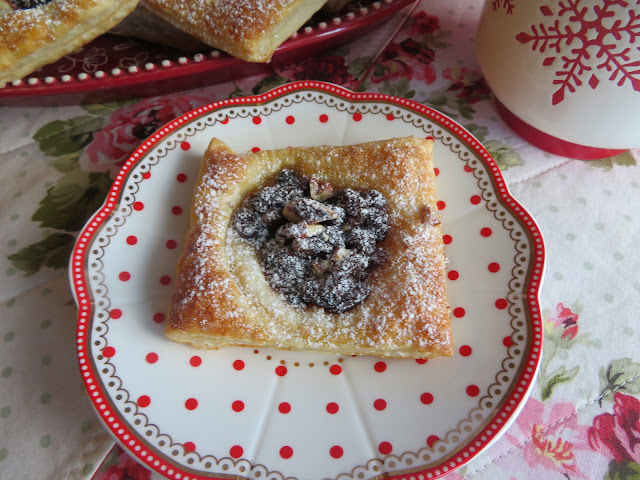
(143, 24)
(34, 33)
(247, 29)
(326, 249)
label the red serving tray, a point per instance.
(117, 68)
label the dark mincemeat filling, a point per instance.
(26, 4)
(316, 246)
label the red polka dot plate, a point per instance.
(258, 414)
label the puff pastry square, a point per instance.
(33, 37)
(247, 29)
(222, 297)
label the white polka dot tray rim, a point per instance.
(114, 67)
(256, 413)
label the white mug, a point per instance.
(565, 73)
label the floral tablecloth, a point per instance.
(57, 163)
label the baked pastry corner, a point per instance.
(247, 29)
(223, 298)
(33, 37)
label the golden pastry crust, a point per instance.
(222, 298)
(32, 38)
(247, 29)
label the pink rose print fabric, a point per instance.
(566, 320)
(617, 434)
(411, 54)
(126, 128)
(467, 85)
(120, 466)
(557, 441)
(330, 68)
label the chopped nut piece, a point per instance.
(320, 267)
(340, 254)
(290, 214)
(429, 217)
(315, 229)
(302, 230)
(310, 246)
(308, 210)
(320, 190)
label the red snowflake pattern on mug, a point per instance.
(575, 35)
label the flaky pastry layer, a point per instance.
(247, 29)
(32, 38)
(222, 298)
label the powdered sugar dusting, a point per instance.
(235, 19)
(406, 310)
(316, 246)
(28, 15)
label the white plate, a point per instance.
(247, 413)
